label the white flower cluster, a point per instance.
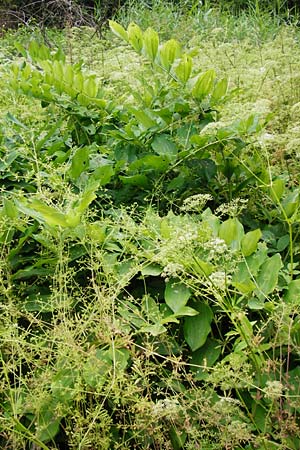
(216, 247)
(273, 390)
(196, 202)
(220, 280)
(233, 208)
(172, 270)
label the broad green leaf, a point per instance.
(78, 81)
(250, 241)
(205, 357)
(293, 293)
(277, 189)
(80, 162)
(135, 36)
(58, 71)
(151, 42)
(151, 270)
(256, 303)
(204, 84)
(136, 180)
(10, 209)
(183, 69)
(103, 174)
(143, 118)
(220, 90)
(176, 295)
(164, 146)
(62, 385)
(168, 52)
(118, 30)
(197, 328)
(268, 275)
(232, 231)
(291, 203)
(90, 87)
(86, 198)
(43, 213)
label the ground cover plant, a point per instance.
(149, 237)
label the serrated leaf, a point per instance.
(176, 295)
(197, 328)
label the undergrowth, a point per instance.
(149, 236)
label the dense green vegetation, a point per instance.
(149, 229)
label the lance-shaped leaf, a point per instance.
(151, 42)
(250, 241)
(118, 30)
(168, 52)
(183, 69)
(197, 328)
(43, 213)
(220, 90)
(204, 84)
(135, 36)
(268, 275)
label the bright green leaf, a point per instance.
(176, 295)
(197, 328)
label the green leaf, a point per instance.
(80, 162)
(62, 385)
(136, 180)
(168, 52)
(118, 30)
(135, 36)
(90, 87)
(277, 189)
(293, 293)
(151, 270)
(164, 146)
(205, 356)
(250, 241)
(197, 328)
(43, 213)
(176, 295)
(204, 84)
(291, 203)
(220, 90)
(151, 42)
(268, 275)
(143, 118)
(103, 174)
(186, 311)
(232, 231)
(183, 69)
